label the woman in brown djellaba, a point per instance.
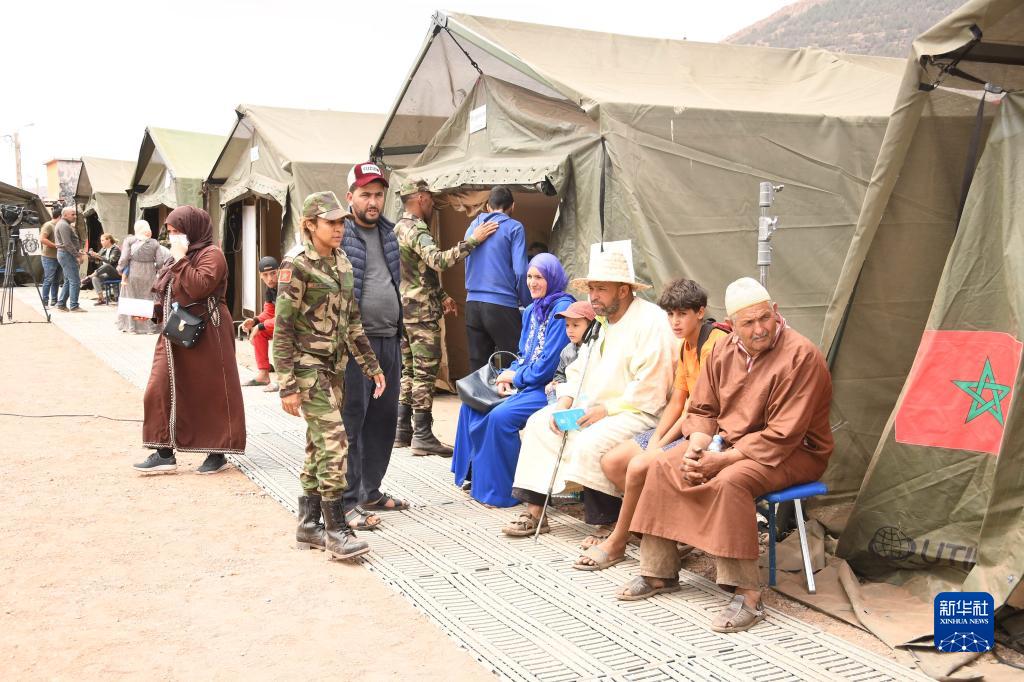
(193, 402)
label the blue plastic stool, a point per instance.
(112, 289)
(795, 493)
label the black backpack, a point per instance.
(706, 327)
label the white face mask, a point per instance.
(178, 239)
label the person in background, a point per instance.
(489, 442)
(70, 256)
(141, 257)
(261, 327)
(424, 303)
(535, 249)
(108, 257)
(193, 401)
(51, 267)
(496, 282)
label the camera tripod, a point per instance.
(15, 249)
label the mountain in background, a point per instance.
(883, 28)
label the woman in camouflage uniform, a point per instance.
(317, 323)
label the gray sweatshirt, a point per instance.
(67, 238)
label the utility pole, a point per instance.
(15, 138)
(17, 158)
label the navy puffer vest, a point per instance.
(354, 247)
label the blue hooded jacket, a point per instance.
(496, 270)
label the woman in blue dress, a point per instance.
(489, 443)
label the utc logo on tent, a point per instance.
(959, 391)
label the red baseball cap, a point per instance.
(579, 310)
(363, 174)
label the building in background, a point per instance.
(62, 179)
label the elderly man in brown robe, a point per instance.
(766, 390)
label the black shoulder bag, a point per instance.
(478, 389)
(183, 328)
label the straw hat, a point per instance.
(609, 266)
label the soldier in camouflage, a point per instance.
(317, 322)
(423, 304)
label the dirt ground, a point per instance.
(109, 574)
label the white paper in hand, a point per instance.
(136, 307)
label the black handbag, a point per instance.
(478, 390)
(182, 327)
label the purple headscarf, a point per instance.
(554, 274)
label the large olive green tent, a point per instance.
(679, 135)
(101, 196)
(170, 171)
(926, 321)
(272, 160)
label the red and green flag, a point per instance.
(959, 391)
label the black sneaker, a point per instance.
(213, 463)
(155, 464)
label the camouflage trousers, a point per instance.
(421, 361)
(326, 445)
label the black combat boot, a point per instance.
(403, 434)
(340, 540)
(424, 442)
(310, 533)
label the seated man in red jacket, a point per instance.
(261, 327)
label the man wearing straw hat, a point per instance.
(766, 390)
(626, 377)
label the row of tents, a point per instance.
(607, 137)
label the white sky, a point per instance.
(90, 76)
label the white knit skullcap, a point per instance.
(743, 293)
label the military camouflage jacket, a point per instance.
(317, 317)
(422, 262)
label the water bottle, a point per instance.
(551, 394)
(716, 444)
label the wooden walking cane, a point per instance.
(593, 331)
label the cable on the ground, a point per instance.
(47, 416)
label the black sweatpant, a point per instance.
(490, 328)
(370, 423)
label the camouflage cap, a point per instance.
(323, 205)
(412, 186)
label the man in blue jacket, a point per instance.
(496, 282)
(372, 247)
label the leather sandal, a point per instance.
(382, 504)
(524, 525)
(600, 558)
(737, 616)
(361, 517)
(638, 588)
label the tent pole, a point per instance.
(766, 226)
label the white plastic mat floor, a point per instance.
(519, 607)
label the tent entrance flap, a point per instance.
(253, 229)
(455, 212)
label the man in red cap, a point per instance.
(372, 247)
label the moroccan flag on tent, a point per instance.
(944, 493)
(959, 391)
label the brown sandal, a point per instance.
(638, 588)
(737, 617)
(524, 526)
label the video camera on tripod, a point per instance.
(13, 216)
